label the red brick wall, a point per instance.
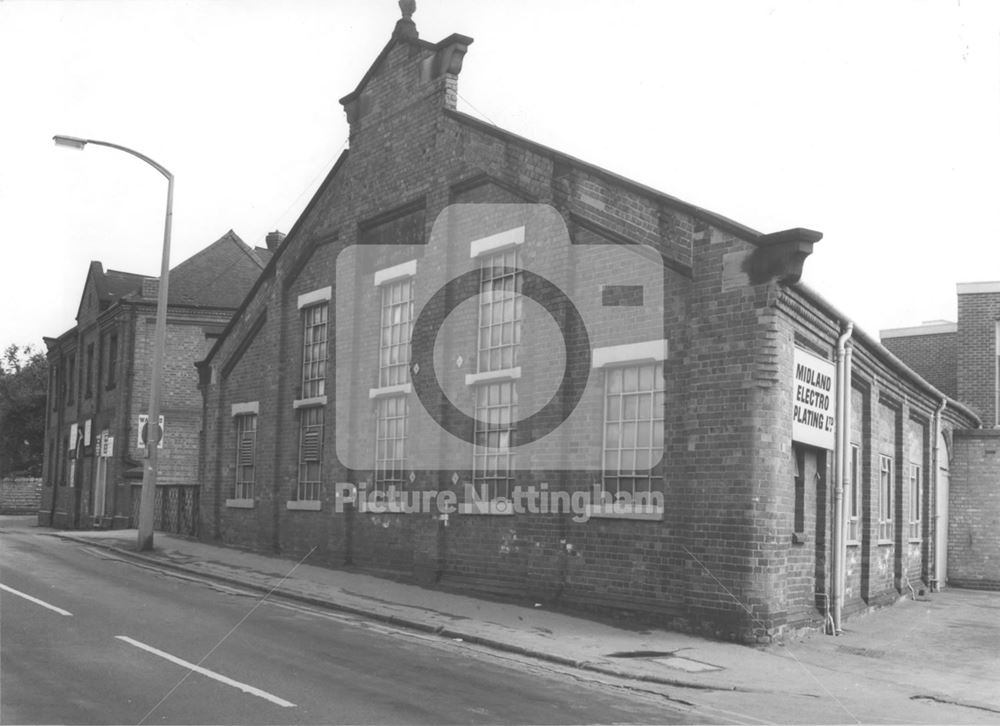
(978, 315)
(116, 410)
(934, 357)
(725, 542)
(974, 510)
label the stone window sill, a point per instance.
(615, 511)
(304, 505)
(240, 503)
(307, 402)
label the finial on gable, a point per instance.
(405, 27)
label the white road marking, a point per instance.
(211, 674)
(35, 600)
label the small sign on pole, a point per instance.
(144, 432)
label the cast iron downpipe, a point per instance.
(839, 545)
(938, 582)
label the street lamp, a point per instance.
(148, 498)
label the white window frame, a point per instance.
(886, 498)
(308, 489)
(612, 359)
(489, 299)
(395, 374)
(314, 386)
(495, 467)
(397, 464)
(915, 485)
(854, 496)
(243, 488)
(498, 488)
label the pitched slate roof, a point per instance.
(217, 277)
(116, 284)
(264, 255)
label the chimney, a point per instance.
(408, 71)
(150, 287)
(273, 239)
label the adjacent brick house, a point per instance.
(99, 386)
(695, 418)
(967, 355)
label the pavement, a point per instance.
(931, 660)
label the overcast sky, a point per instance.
(876, 123)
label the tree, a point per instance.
(23, 381)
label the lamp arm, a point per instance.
(159, 167)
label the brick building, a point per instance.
(99, 386)
(931, 349)
(404, 340)
(966, 354)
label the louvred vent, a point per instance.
(310, 445)
(246, 449)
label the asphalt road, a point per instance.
(126, 651)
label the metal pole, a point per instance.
(149, 473)
(148, 498)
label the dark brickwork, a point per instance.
(974, 513)
(722, 561)
(933, 356)
(113, 390)
(978, 318)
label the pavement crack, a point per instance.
(950, 702)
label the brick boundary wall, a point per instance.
(20, 495)
(974, 511)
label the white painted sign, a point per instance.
(106, 443)
(814, 398)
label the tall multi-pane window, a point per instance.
(885, 499)
(70, 377)
(314, 332)
(915, 502)
(246, 444)
(633, 428)
(395, 326)
(394, 341)
(112, 361)
(499, 311)
(500, 321)
(89, 380)
(494, 458)
(853, 493)
(310, 453)
(390, 442)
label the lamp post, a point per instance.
(148, 498)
